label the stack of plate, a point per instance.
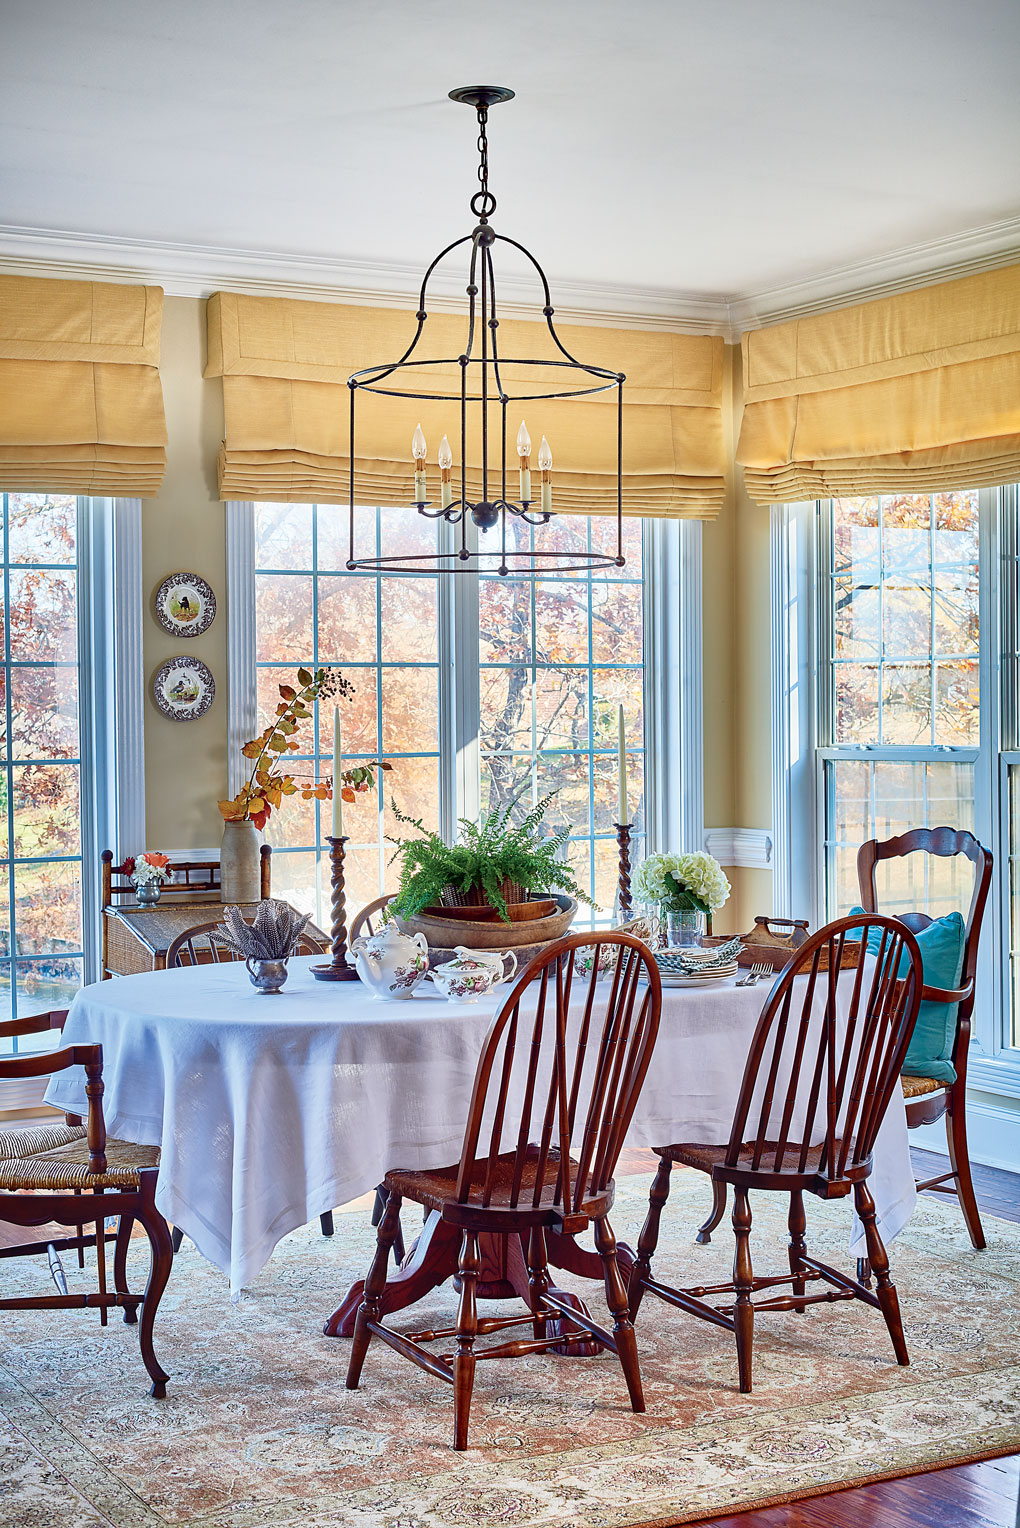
(679, 967)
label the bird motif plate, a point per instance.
(183, 688)
(185, 605)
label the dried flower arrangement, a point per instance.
(273, 934)
(267, 784)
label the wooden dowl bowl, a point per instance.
(444, 932)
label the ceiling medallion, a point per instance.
(490, 389)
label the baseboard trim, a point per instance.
(993, 1135)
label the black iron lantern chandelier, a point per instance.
(489, 405)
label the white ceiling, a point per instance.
(709, 150)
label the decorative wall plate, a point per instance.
(183, 688)
(185, 605)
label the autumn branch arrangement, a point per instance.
(268, 782)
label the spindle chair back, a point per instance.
(815, 1077)
(547, 1091)
(197, 947)
(368, 920)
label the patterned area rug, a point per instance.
(257, 1430)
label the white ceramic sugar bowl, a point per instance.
(473, 973)
(390, 963)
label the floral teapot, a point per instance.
(391, 963)
(473, 973)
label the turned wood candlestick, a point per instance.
(338, 970)
(623, 841)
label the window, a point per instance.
(900, 704)
(481, 691)
(896, 677)
(40, 774)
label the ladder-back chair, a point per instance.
(75, 1175)
(556, 1086)
(928, 1098)
(823, 1064)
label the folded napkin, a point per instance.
(678, 962)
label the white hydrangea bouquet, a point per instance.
(682, 884)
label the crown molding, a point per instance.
(195, 270)
(962, 254)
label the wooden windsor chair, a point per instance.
(545, 1091)
(368, 920)
(928, 1098)
(196, 946)
(75, 1175)
(815, 1090)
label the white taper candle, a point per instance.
(338, 805)
(624, 809)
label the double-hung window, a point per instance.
(70, 736)
(896, 676)
(480, 691)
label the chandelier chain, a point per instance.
(483, 203)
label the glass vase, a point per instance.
(684, 926)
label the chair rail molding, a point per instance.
(746, 848)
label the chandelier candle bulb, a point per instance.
(445, 459)
(524, 453)
(419, 450)
(545, 468)
(624, 814)
(338, 805)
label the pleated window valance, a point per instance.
(285, 366)
(81, 407)
(920, 391)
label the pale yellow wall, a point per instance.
(186, 762)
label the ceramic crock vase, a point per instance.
(240, 869)
(473, 973)
(391, 964)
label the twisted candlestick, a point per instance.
(623, 841)
(338, 970)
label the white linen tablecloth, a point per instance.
(270, 1110)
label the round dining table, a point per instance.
(270, 1110)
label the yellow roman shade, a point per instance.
(915, 392)
(81, 407)
(285, 366)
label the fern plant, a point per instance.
(491, 853)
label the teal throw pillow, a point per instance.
(931, 1047)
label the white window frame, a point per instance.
(111, 690)
(799, 694)
(674, 791)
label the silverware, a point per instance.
(754, 976)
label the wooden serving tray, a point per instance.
(765, 945)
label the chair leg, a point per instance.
(959, 1161)
(879, 1260)
(162, 1251)
(378, 1208)
(467, 1329)
(326, 1223)
(375, 1283)
(104, 1314)
(704, 1235)
(743, 1283)
(120, 1278)
(176, 1239)
(616, 1296)
(649, 1238)
(538, 1278)
(80, 1232)
(797, 1224)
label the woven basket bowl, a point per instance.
(447, 933)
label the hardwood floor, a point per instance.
(985, 1495)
